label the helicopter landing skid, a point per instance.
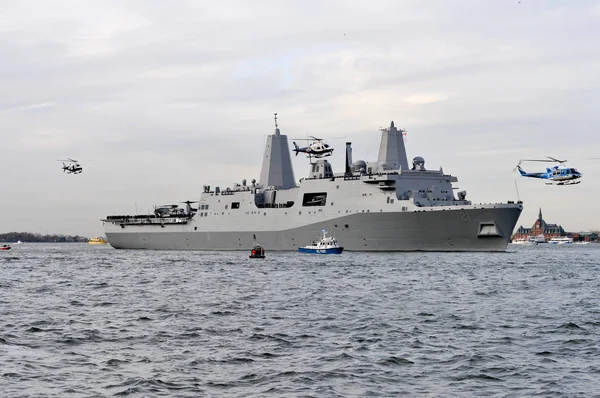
(564, 183)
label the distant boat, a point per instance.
(5, 247)
(327, 245)
(529, 241)
(540, 238)
(257, 250)
(561, 240)
(19, 243)
(97, 241)
(581, 242)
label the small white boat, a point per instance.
(529, 241)
(581, 242)
(327, 245)
(561, 240)
(540, 238)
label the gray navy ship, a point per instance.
(385, 205)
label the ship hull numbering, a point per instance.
(374, 206)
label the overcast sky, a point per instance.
(157, 98)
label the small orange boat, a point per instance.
(257, 250)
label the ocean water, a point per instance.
(79, 320)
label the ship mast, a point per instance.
(392, 153)
(277, 168)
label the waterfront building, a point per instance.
(549, 231)
(540, 227)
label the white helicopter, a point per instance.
(317, 148)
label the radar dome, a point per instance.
(358, 165)
(418, 163)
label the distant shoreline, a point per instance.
(28, 237)
(10, 242)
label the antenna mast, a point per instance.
(276, 120)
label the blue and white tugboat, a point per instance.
(327, 245)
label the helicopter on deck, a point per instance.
(556, 175)
(317, 148)
(73, 166)
(175, 211)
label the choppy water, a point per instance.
(81, 320)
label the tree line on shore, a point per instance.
(32, 237)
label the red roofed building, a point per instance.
(540, 227)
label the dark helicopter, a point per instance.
(175, 211)
(72, 166)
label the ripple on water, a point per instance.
(79, 320)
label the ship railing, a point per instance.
(275, 205)
(137, 216)
(383, 173)
(150, 216)
(146, 220)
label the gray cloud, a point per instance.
(158, 98)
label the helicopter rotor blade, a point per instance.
(517, 166)
(556, 160)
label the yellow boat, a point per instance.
(97, 241)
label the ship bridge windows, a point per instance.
(314, 199)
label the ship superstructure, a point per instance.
(384, 205)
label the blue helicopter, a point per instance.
(556, 175)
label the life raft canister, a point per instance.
(253, 252)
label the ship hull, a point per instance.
(432, 229)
